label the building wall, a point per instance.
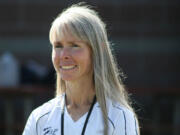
(145, 34)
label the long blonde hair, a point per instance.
(85, 24)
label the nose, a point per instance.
(65, 54)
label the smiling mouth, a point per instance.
(68, 67)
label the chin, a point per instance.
(68, 78)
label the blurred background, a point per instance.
(146, 42)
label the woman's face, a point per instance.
(71, 58)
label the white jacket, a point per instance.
(46, 120)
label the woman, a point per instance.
(90, 97)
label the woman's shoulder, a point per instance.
(124, 116)
(43, 109)
(40, 115)
(46, 108)
(116, 108)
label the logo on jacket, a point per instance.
(49, 131)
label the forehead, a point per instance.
(67, 38)
(64, 34)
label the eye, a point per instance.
(75, 45)
(58, 46)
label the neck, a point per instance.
(79, 94)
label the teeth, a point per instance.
(67, 67)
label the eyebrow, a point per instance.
(59, 42)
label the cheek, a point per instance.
(54, 58)
(89, 62)
(84, 58)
